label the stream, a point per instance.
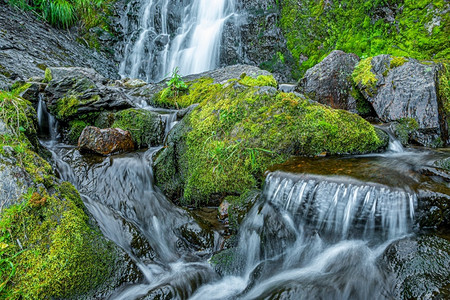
(318, 229)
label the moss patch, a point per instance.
(261, 80)
(197, 90)
(237, 133)
(48, 75)
(146, 127)
(397, 61)
(411, 28)
(363, 75)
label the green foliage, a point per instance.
(404, 128)
(75, 129)
(397, 61)
(237, 133)
(313, 29)
(65, 13)
(66, 107)
(176, 83)
(261, 80)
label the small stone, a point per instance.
(223, 210)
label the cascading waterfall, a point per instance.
(152, 51)
(314, 237)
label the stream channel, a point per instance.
(317, 231)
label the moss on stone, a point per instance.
(75, 129)
(238, 132)
(261, 80)
(145, 126)
(46, 238)
(66, 107)
(48, 75)
(404, 128)
(397, 61)
(197, 90)
(363, 75)
(417, 29)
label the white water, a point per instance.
(152, 52)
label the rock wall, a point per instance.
(28, 46)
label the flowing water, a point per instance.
(153, 49)
(309, 235)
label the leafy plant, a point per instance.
(176, 83)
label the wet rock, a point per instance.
(223, 209)
(32, 92)
(224, 74)
(105, 141)
(261, 40)
(72, 92)
(14, 182)
(26, 50)
(399, 89)
(329, 82)
(433, 211)
(420, 267)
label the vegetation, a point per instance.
(48, 249)
(238, 132)
(65, 13)
(417, 29)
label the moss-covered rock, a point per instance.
(49, 248)
(238, 132)
(146, 127)
(417, 29)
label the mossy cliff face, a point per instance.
(417, 29)
(48, 247)
(236, 133)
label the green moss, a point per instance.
(237, 133)
(197, 90)
(314, 28)
(397, 61)
(144, 126)
(363, 75)
(404, 128)
(50, 249)
(261, 80)
(444, 90)
(62, 255)
(48, 75)
(75, 129)
(66, 107)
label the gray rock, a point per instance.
(407, 91)
(330, 82)
(224, 74)
(25, 50)
(420, 267)
(92, 92)
(14, 182)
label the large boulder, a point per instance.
(400, 89)
(330, 82)
(105, 141)
(241, 128)
(72, 92)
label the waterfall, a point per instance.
(152, 50)
(316, 237)
(48, 125)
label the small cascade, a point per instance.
(342, 207)
(153, 51)
(48, 125)
(316, 237)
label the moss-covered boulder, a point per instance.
(313, 29)
(402, 89)
(49, 246)
(237, 132)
